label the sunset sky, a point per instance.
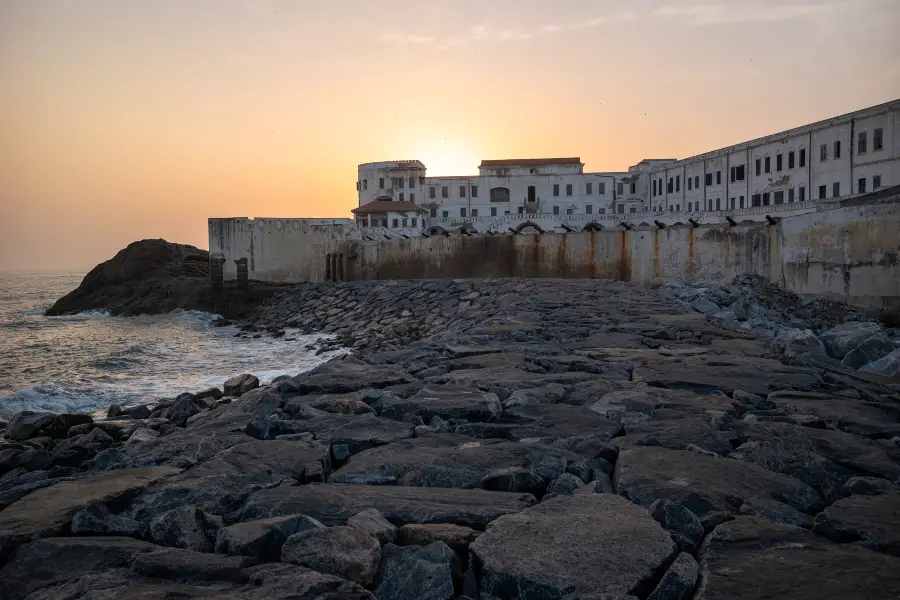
(126, 119)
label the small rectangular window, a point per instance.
(756, 200)
(758, 163)
(621, 208)
(421, 181)
(633, 209)
(445, 214)
(365, 184)
(862, 186)
(493, 211)
(445, 191)
(556, 189)
(718, 177)
(709, 179)
(878, 139)
(431, 192)
(381, 183)
(863, 142)
(633, 186)
(521, 209)
(741, 202)
(791, 159)
(395, 223)
(670, 186)
(568, 189)
(601, 211)
(823, 152)
(801, 194)
(432, 212)
(474, 191)
(570, 211)
(555, 210)
(677, 184)
(779, 197)
(406, 222)
(588, 209)
(837, 149)
(400, 181)
(601, 188)
(778, 165)
(836, 189)
(718, 204)
(696, 182)
(876, 182)
(732, 173)
(791, 195)
(621, 188)
(690, 181)
(414, 222)
(462, 191)
(474, 212)
(589, 188)
(731, 206)
(462, 212)
(822, 192)
(768, 164)
(654, 187)
(740, 173)
(802, 157)
(412, 197)
(412, 182)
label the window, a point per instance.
(412, 182)
(556, 189)
(837, 149)
(876, 182)
(421, 183)
(462, 212)
(633, 209)
(431, 192)
(433, 212)
(677, 184)
(365, 184)
(654, 187)
(768, 164)
(588, 209)
(697, 182)
(493, 211)
(740, 173)
(822, 192)
(568, 189)
(791, 159)
(555, 210)
(381, 183)
(601, 188)
(862, 186)
(474, 191)
(802, 157)
(741, 200)
(401, 196)
(765, 198)
(778, 165)
(412, 197)
(863, 142)
(836, 189)
(414, 222)
(445, 214)
(462, 191)
(718, 204)
(670, 187)
(500, 194)
(718, 177)
(877, 139)
(395, 223)
(589, 188)
(791, 195)
(621, 188)
(474, 212)
(801, 194)
(758, 163)
(601, 211)
(406, 222)
(779, 197)
(621, 207)
(400, 182)
(709, 179)
(823, 152)
(570, 211)
(521, 209)
(731, 206)
(445, 191)
(756, 200)
(633, 186)
(690, 181)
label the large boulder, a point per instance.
(49, 511)
(599, 543)
(842, 339)
(871, 521)
(27, 424)
(804, 342)
(31, 459)
(446, 402)
(240, 385)
(263, 538)
(429, 572)
(96, 519)
(457, 537)
(186, 527)
(339, 376)
(341, 551)
(888, 365)
(334, 504)
(60, 425)
(750, 558)
(869, 351)
(373, 522)
(187, 565)
(678, 582)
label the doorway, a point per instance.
(531, 194)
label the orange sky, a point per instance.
(127, 119)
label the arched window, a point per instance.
(499, 194)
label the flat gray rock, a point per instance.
(446, 402)
(596, 544)
(704, 484)
(351, 434)
(871, 521)
(263, 538)
(418, 573)
(859, 417)
(334, 504)
(342, 551)
(339, 376)
(49, 511)
(752, 558)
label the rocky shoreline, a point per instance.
(522, 439)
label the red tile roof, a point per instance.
(386, 206)
(530, 162)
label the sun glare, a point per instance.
(444, 159)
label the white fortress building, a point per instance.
(789, 171)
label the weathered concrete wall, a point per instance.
(850, 253)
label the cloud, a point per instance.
(724, 13)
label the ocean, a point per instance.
(85, 362)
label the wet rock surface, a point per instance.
(524, 439)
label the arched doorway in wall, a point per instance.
(328, 267)
(340, 267)
(528, 227)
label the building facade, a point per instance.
(833, 159)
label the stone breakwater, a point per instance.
(493, 439)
